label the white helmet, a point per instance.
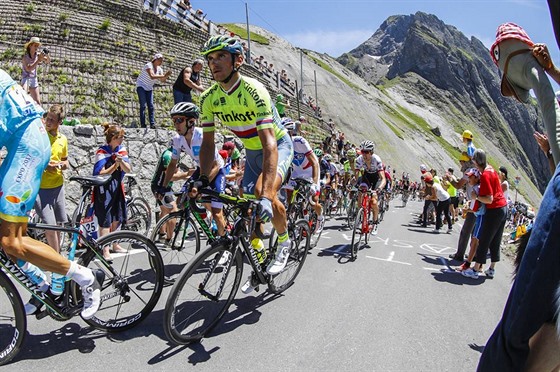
(367, 146)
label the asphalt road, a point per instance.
(398, 307)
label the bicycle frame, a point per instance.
(63, 310)
(366, 208)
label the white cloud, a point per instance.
(334, 43)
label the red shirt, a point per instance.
(490, 185)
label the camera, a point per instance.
(45, 51)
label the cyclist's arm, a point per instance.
(382, 180)
(314, 166)
(207, 154)
(270, 162)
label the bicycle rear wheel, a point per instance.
(202, 294)
(356, 234)
(183, 245)
(128, 296)
(13, 322)
(300, 236)
(139, 216)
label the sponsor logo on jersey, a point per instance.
(259, 102)
(247, 116)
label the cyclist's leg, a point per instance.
(219, 185)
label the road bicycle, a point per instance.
(405, 194)
(300, 207)
(131, 288)
(362, 226)
(208, 284)
(139, 213)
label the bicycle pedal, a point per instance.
(41, 314)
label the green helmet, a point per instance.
(279, 97)
(222, 42)
(351, 153)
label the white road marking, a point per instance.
(390, 259)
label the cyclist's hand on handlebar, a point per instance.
(265, 209)
(315, 188)
(199, 184)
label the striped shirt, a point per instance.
(144, 80)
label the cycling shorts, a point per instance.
(217, 184)
(29, 150)
(254, 162)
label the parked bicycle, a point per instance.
(131, 288)
(208, 284)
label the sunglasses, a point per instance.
(366, 152)
(179, 120)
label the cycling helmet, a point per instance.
(423, 168)
(288, 124)
(318, 152)
(279, 98)
(367, 146)
(467, 134)
(187, 109)
(327, 157)
(222, 42)
(351, 153)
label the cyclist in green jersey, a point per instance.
(244, 106)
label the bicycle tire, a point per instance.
(140, 278)
(139, 216)
(356, 233)
(350, 216)
(300, 239)
(184, 244)
(13, 321)
(189, 313)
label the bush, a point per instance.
(105, 24)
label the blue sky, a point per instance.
(335, 27)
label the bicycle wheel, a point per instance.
(13, 323)
(300, 236)
(128, 296)
(139, 216)
(351, 214)
(202, 294)
(356, 234)
(381, 207)
(183, 245)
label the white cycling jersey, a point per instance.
(180, 145)
(375, 166)
(301, 166)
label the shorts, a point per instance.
(217, 184)
(31, 81)
(29, 150)
(477, 226)
(254, 161)
(455, 201)
(50, 206)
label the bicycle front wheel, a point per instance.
(139, 216)
(183, 244)
(299, 236)
(13, 322)
(131, 290)
(356, 234)
(202, 294)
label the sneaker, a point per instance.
(375, 228)
(470, 273)
(435, 231)
(92, 295)
(282, 255)
(450, 230)
(490, 272)
(33, 306)
(464, 266)
(250, 285)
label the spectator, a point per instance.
(513, 52)
(109, 201)
(188, 79)
(31, 59)
(494, 220)
(151, 73)
(468, 140)
(504, 181)
(441, 198)
(454, 201)
(50, 202)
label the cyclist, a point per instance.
(244, 106)
(305, 165)
(188, 139)
(369, 172)
(29, 151)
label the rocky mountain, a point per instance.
(420, 56)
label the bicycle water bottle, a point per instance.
(35, 274)
(258, 246)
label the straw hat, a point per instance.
(33, 40)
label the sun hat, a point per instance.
(157, 56)
(228, 145)
(33, 40)
(464, 157)
(506, 31)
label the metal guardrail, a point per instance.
(173, 10)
